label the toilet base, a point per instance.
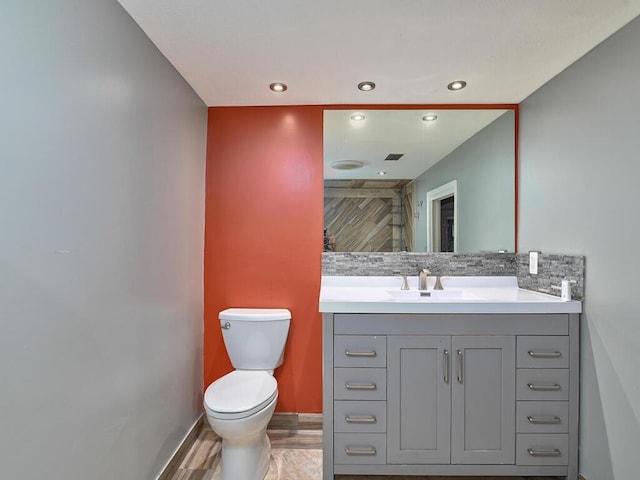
(246, 461)
(246, 449)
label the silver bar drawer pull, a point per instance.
(544, 354)
(360, 419)
(544, 453)
(360, 386)
(543, 420)
(544, 387)
(446, 366)
(460, 361)
(360, 451)
(349, 353)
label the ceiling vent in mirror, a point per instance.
(393, 157)
(347, 165)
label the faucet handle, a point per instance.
(405, 282)
(426, 271)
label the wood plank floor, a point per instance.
(295, 455)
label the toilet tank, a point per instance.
(255, 337)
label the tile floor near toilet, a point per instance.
(296, 455)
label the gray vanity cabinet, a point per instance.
(451, 399)
(450, 394)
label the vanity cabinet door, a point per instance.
(419, 399)
(483, 400)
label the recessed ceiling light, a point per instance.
(381, 172)
(278, 87)
(357, 117)
(457, 85)
(366, 86)
(430, 118)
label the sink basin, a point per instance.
(381, 290)
(414, 295)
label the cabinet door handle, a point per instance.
(544, 387)
(446, 366)
(460, 361)
(360, 386)
(544, 453)
(360, 451)
(543, 420)
(360, 419)
(371, 353)
(544, 354)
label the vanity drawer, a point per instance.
(360, 416)
(360, 448)
(360, 383)
(542, 449)
(542, 384)
(543, 352)
(542, 417)
(360, 351)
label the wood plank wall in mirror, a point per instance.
(420, 178)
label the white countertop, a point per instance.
(460, 295)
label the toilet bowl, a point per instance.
(240, 404)
(239, 407)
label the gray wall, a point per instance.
(580, 142)
(101, 244)
(484, 169)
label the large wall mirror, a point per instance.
(420, 179)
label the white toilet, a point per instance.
(240, 404)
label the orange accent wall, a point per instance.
(263, 236)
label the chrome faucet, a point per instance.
(424, 273)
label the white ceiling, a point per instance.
(231, 50)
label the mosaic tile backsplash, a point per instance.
(552, 269)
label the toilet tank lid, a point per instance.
(255, 314)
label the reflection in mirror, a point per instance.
(385, 176)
